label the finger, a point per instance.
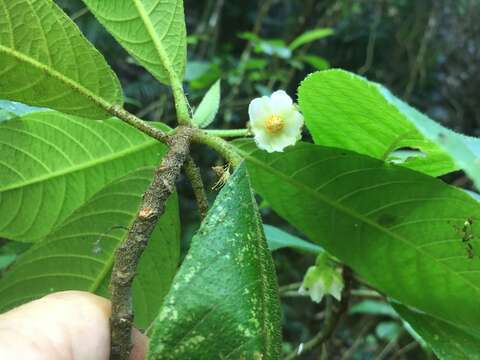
(67, 325)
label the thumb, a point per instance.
(70, 325)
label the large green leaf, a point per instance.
(152, 31)
(46, 61)
(51, 163)
(448, 341)
(79, 253)
(402, 231)
(224, 302)
(346, 111)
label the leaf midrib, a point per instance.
(52, 73)
(360, 217)
(157, 42)
(83, 166)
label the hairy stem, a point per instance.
(221, 146)
(127, 255)
(195, 177)
(137, 123)
(229, 133)
(181, 104)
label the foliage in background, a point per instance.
(257, 48)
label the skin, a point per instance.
(70, 325)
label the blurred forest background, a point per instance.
(426, 51)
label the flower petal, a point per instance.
(317, 291)
(281, 103)
(293, 124)
(281, 141)
(336, 290)
(259, 111)
(263, 140)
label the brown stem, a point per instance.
(127, 255)
(195, 177)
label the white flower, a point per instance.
(320, 281)
(275, 121)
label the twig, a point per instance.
(263, 10)
(388, 348)
(304, 50)
(225, 149)
(195, 177)
(211, 32)
(332, 318)
(289, 287)
(156, 105)
(138, 123)
(402, 351)
(127, 255)
(229, 133)
(372, 39)
(354, 293)
(359, 339)
(427, 37)
(78, 14)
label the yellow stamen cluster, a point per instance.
(274, 124)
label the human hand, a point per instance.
(70, 325)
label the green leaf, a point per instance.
(463, 150)
(196, 69)
(46, 61)
(309, 36)
(317, 62)
(278, 239)
(224, 302)
(399, 229)
(9, 251)
(373, 307)
(448, 342)
(388, 330)
(6, 260)
(78, 255)
(346, 111)
(273, 47)
(153, 32)
(52, 163)
(208, 108)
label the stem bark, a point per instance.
(127, 255)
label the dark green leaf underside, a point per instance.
(78, 255)
(52, 163)
(152, 31)
(224, 301)
(46, 61)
